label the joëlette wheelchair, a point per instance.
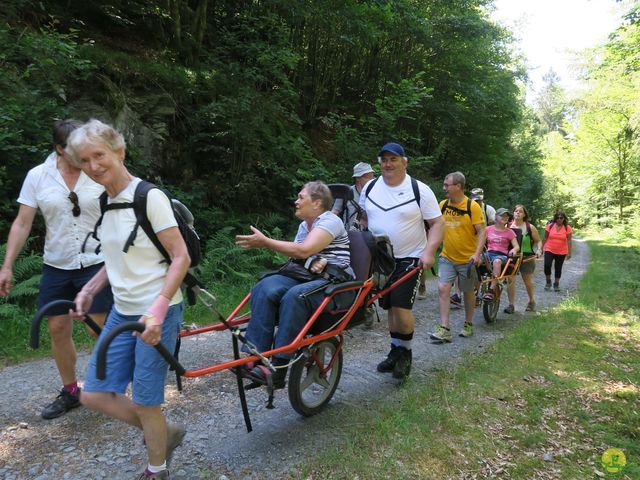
(317, 364)
(486, 276)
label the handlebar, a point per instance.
(101, 368)
(37, 320)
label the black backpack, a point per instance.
(445, 205)
(383, 263)
(414, 186)
(183, 217)
(518, 233)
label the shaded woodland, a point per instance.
(234, 104)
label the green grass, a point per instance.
(15, 325)
(546, 401)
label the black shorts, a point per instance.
(58, 284)
(404, 294)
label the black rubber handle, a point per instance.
(40, 314)
(101, 368)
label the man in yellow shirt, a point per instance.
(464, 238)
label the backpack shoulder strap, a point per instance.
(140, 209)
(416, 190)
(366, 192)
(445, 205)
(94, 233)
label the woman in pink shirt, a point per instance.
(557, 248)
(501, 242)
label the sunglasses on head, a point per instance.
(73, 197)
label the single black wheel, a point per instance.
(314, 378)
(490, 307)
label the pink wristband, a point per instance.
(158, 310)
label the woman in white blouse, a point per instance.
(68, 201)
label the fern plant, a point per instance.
(225, 262)
(26, 278)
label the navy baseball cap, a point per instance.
(394, 148)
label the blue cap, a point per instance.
(394, 148)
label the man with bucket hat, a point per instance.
(397, 205)
(347, 211)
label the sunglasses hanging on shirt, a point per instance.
(73, 197)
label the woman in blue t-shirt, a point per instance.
(276, 300)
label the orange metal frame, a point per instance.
(301, 340)
(503, 273)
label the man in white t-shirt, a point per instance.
(397, 205)
(488, 211)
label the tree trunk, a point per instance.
(174, 12)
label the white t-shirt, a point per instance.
(136, 277)
(44, 189)
(337, 252)
(489, 213)
(393, 211)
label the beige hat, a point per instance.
(361, 168)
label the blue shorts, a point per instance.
(130, 360)
(491, 256)
(58, 284)
(466, 273)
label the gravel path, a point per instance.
(87, 445)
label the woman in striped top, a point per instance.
(275, 300)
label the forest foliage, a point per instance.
(230, 101)
(234, 104)
(592, 139)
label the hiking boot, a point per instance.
(467, 330)
(531, 307)
(163, 475)
(422, 291)
(61, 405)
(441, 334)
(510, 309)
(388, 364)
(556, 287)
(455, 300)
(175, 435)
(403, 364)
(547, 286)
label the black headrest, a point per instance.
(341, 190)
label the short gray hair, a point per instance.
(319, 191)
(91, 133)
(457, 177)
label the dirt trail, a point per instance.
(87, 445)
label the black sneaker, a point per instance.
(455, 300)
(389, 363)
(61, 405)
(402, 368)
